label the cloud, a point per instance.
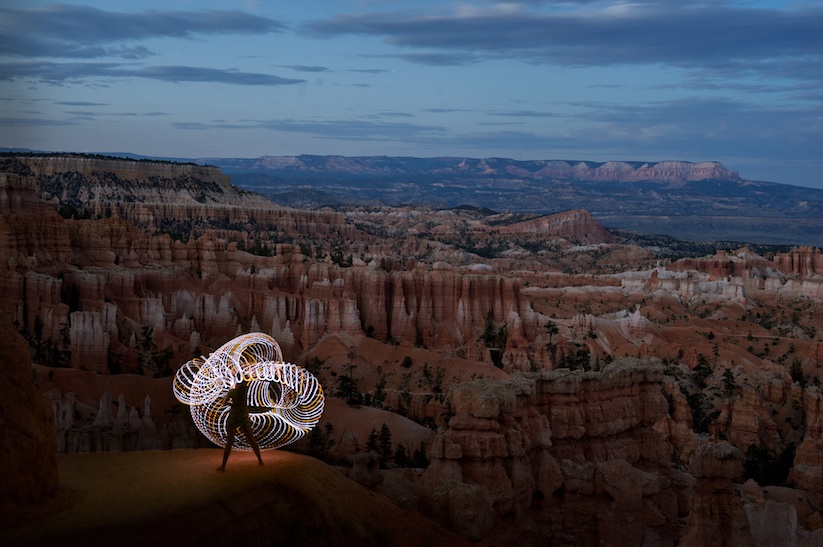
(13, 121)
(353, 129)
(84, 113)
(394, 115)
(200, 74)
(693, 128)
(524, 114)
(67, 31)
(371, 70)
(82, 34)
(447, 110)
(73, 72)
(726, 37)
(79, 103)
(306, 68)
(438, 58)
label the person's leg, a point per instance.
(227, 451)
(253, 442)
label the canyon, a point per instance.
(533, 377)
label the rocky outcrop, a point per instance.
(677, 426)
(28, 442)
(607, 415)
(783, 516)
(745, 421)
(743, 273)
(716, 513)
(578, 226)
(807, 470)
(802, 261)
(44, 166)
(722, 265)
(577, 445)
(81, 428)
(176, 197)
(664, 171)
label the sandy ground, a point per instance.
(178, 497)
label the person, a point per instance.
(239, 419)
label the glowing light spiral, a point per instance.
(285, 401)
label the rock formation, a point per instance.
(105, 431)
(578, 226)
(578, 446)
(28, 455)
(716, 514)
(802, 261)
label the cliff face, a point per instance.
(716, 514)
(578, 226)
(664, 171)
(138, 171)
(803, 261)
(562, 451)
(27, 446)
(89, 286)
(157, 195)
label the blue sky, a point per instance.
(739, 82)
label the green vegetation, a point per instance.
(320, 442)
(152, 359)
(348, 388)
(580, 358)
(31, 154)
(768, 468)
(669, 247)
(494, 339)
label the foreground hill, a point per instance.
(177, 498)
(693, 201)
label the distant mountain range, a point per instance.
(689, 201)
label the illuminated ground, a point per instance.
(177, 497)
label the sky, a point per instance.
(734, 81)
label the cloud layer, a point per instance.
(786, 43)
(68, 31)
(85, 34)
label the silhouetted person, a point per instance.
(238, 419)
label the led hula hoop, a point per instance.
(285, 401)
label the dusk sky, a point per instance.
(740, 82)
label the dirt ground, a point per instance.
(178, 497)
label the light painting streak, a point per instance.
(285, 401)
